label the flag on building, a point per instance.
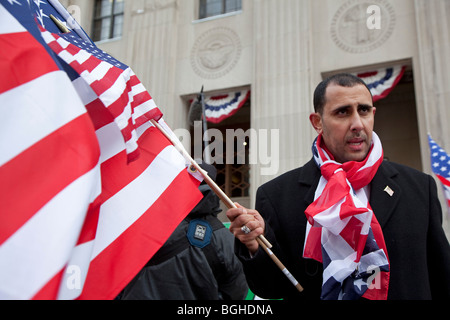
(440, 164)
(139, 189)
(220, 107)
(382, 81)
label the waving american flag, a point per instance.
(89, 189)
(440, 164)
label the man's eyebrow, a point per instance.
(365, 106)
(341, 108)
(345, 107)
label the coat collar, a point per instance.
(384, 191)
(309, 179)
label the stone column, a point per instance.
(433, 33)
(281, 93)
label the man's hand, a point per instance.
(240, 218)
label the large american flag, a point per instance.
(440, 164)
(90, 190)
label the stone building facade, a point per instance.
(280, 50)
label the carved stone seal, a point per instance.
(361, 26)
(215, 52)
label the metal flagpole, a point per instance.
(205, 129)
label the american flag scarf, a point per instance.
(343, 233)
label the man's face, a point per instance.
(346, 122)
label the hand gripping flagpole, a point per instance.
(262, 241)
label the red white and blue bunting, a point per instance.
(382, 81)
(218, 108)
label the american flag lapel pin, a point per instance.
(389, 191)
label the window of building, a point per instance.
(108, 19)
(210, 8)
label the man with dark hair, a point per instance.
(341, 79)
(347, 224)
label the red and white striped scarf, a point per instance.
(342, 227)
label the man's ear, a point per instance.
(316, 121)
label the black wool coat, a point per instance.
(411, 220)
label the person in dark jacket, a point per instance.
(197, 262)
(348, 224)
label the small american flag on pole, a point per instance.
(440, 164)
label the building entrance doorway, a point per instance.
(396, 124)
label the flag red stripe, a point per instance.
(89, 65)
(128, 130)
(61, 158)
(117, 173)
(24, 60)
(51, 288)
(141, 98)
(141, 240)
(102, 85)
(89, 229)
(135, 81)
(444, 181)
(154, 113)
(100, 116)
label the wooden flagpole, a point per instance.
(262, 241)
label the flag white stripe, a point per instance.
(138, 88)
(143, 108)
(330, 221)
(98, 73)
(377, 150)
(131, 144)
(81, 57)
(110, 140)
(29, 106)
(8, 24)
(75, 274)
(42, 246)
(63, 43)
(111, 95)
(140, 194)
(85, 92)
(341, 249)
(122, 119)
(340, 269)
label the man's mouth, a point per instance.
(356, 144)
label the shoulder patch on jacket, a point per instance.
(199, 233)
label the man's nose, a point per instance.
(356, 123)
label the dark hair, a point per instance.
(340, 79)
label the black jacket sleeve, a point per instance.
(438, 249)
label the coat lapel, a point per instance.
(384, 193)
(308, 179)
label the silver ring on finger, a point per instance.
(245, 229)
